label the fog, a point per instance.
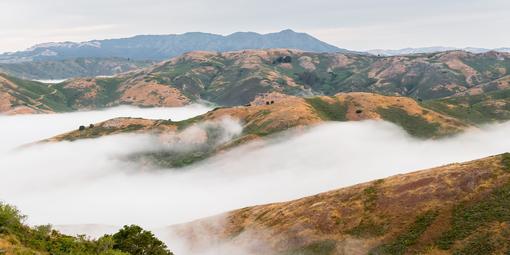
(88, 182)
(18, 130)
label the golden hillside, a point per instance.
(461, 208)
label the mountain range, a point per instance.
(160, 47)
(407, 51)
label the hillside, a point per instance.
(160, 47)
(79, 67)
(271, 114)
(461, 208)
(18, 96)
(235, 78)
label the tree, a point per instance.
(81, 128)
(136, 241)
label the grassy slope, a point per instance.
(476, 109)
(35, 94)
(80, 67)
(455, 209)
(236, 78)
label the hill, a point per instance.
(78, 67)
(160, 47)
(275, 113)
(236, 78)
(461, 208)
(19, 96)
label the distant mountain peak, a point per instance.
(432, 49)
(160, 47)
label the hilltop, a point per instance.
(461, 208)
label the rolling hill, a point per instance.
(236, 78)
(461, 208)
(78, 67)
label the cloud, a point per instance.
(88, 182)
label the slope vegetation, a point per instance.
(271, 114)
(237, 78)
(455, 209)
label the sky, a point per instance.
(352, 24)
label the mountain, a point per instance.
(407, 51)
(238, 77)
(79, 67)
(460, 208)
(160, 47)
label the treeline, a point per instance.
(18, 238)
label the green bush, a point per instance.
(136, 241)
(408, 237)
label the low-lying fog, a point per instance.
(87, 182)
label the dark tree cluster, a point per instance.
(81, 128)
(137, 241)
(283, 59)
(269, 102)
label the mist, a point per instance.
(86, 186)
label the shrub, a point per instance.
(136, 241)
(81, 128)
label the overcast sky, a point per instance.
(352, 24)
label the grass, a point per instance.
(505, 161)
(468, 217)
(31, 90)
(415, 125)
(326, 247)
(332, 112)
(408, 237)
(368, 228)
(475, 109)
(480, 244)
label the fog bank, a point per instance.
(22, 129)
(87, 182)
